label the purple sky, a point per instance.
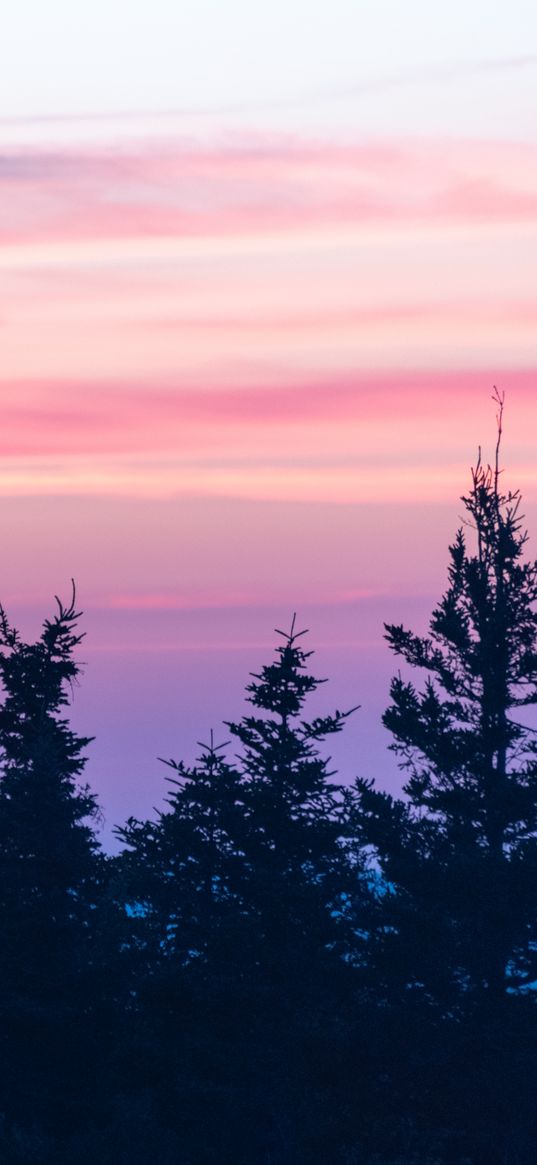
(259, 272)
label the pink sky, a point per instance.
(245, 373)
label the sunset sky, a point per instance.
(260, 268)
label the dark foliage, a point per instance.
(240, 893)
(456, 931)
(50, 876)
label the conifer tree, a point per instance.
(296, 820)
(304, 890)
(179, 882)
(457, 925)
(266, 834)
(47, 845)
(181, 870)
(464, 842)
(238, 893)
(49, 868)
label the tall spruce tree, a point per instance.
(49, 870)
(464, 842)
(296, 815)
(304, 888)
(457, 919)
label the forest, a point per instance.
(281, 967)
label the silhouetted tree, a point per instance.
(182, 869)
(178, 882)
(303, 880)
(458, 913)
(49, 873)
(296, 816)
(238, 894)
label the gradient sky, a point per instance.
(260, 267)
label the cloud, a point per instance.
(217, 599)
(439, 75)
(259, 184)
(218, 425)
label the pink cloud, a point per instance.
(483, 198)
(375, 315)
(258, 185)
(43, 418)
(167, 601)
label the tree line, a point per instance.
(282, 969)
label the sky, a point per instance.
(260, 269)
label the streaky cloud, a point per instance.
(440, 75)
(255, 185)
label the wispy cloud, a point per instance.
(257, 185)
(341, 441)
(441, 74)
(207, 599)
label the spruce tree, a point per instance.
(266, 835)
(180, 881)
(296, 815)
(180, 871)
(463, 844)
(49, 873)
(456, 933)
(238, 895)
(302, 887)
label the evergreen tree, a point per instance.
(457, 928)
(49, 870)
(181, 870)
(464, 842)
(296, 816)
(238, 896)
(180, 882)
(303, 888)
